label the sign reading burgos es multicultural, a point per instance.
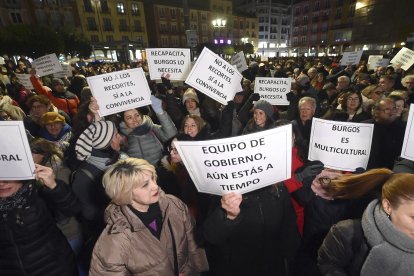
(273, 90)
(176, 62)
(340, 145)
(119, 91)
(16, 161)
(215, 77)
(239, 164)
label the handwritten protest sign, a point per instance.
(340, 145)
(176, 62)
(24, 79)
(215, 77)
(16, 161)
(239, 164)
(349, 58)
(120, 91)
(46, 65)
(273, 90)
(405, 57)
(374, 61)
(239, 61)
(408, 145)
(66, 71)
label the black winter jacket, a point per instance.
(30, 242)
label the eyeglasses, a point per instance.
(172, 150)
(350, 99)
(325, 180)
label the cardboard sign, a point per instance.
(408, 145)
(215, 77)
(239, 164)
(16, 161)
(374, 61)
(66, 71)
(273, 90)
(239, 61)
(47, 65)
(192, 38)
(405, 57)
(176, 62)
(350, 58)
(24, 79)
(340, 145)
(120, 91)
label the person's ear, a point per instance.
(386, 205)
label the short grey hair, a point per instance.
(310, 100)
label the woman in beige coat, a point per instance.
(148, 232)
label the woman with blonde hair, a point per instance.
(147, 232)
(382, 242)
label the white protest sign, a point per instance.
(349, 58)
(66, 71)
(340, 145)
(239, 164)
(374, 61)
(273, 90)
(120, 91)
(405, 57)
(16, 161)
(215, 77)
(239, 61)
(176, 62)
(408, 145)
(24, 79)
(264, 58)
(384, 62)
(46, 65)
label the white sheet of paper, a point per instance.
(340, 145)
(408, 145)
(215, 77)
(374, 61)
(46, 65)
(351, 57)
(173, 61)
(119, 91)
(16, 161)
(405, 57)
(239, 61)
(273, 90)
(67, 71)
(24, 79)
(239, 164)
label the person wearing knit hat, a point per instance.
(55, 129)
(98, 135)
(57, 81)
(265, 106)
(262, 117)
(191, 101)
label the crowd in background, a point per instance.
(110, 185)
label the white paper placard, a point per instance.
(16, 161)
(405, 57)
(273, 90)
(67, 71)
(239, 61)
(340, 145)
(239, 164)
(215, 77)
(408, 145)
(374, 61)
(350, 58)
(24, 79)
(46, 65)
(176, 62)
(119, 91)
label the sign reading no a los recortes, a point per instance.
(273, 90)
(239, 164)
(408, 145)
(340, 145)
(215, 77)
(120, 91)
(176, 62)
(16, 161)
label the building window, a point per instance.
(173, 14)
(104, 6)
(351, 10)
(120, 7)
(94, 38)
(161, 13)
(125, 38)
(135, 9)
(16, 17)
(137, 26)
(91, 24)
(338, 13)
(109, 38)
(88, 5)
(107, 24)
(203, 17)
(303, 39)
(123, 25)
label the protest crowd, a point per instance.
(113, 196)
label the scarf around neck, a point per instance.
(17, 201)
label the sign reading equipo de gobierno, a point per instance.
(273, 90)
(119, 91)
(408, 145)
(16, 161)
(215, 77)
(239, 164)
(176, 62)
(340, 145)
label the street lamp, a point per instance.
(217, 24)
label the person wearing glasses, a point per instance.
(382, 242)
(351, 110)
